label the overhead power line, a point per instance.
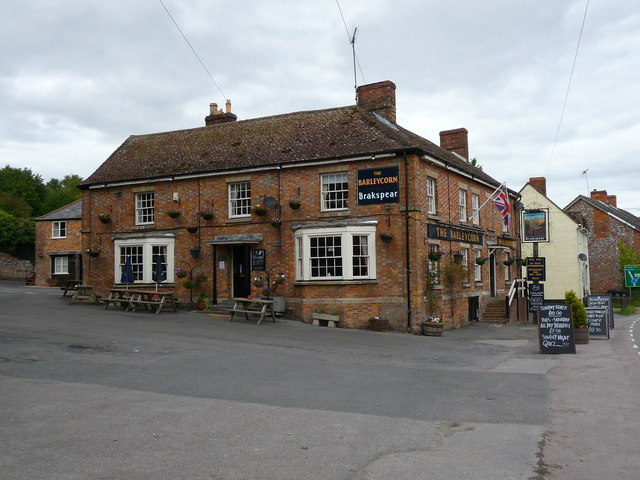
(566, 96)
(192, 49)
(352, 41)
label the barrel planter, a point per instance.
(432, 329)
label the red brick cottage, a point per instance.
(344, 201)
(608, 226)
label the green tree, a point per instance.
(23, 183)
(17, 235)
(14, 205)
(61, 192)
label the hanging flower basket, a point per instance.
(104, 218)
(508, 262)
(206, 214)
(173, 213)
(259, 210)
(294, 204)
(189, 284)
(481, 260)
(180, 273)
(94, 252)
(276, 223)
(435, 256)
(192, 229)
(386, 237)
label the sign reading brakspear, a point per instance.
(378, 185)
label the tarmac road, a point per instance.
(94, 394)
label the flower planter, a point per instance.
(434, 257)
(173, 214)
(93, 253)
(432, 329)
(206, 215)
(276, 223)
(260, 211)
(386, 237)
(294, 205)
(192, 229)
(329, 319)
(105, 218)
(581, 336)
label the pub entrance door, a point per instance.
(241, 271)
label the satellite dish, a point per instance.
(270, 202)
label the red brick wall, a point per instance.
(45, 244)
(357, 301)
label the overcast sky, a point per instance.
(77, 77)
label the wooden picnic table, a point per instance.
(130, 299)
(253, 306)
(85, 292)
(69, 287)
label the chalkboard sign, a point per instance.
(598, 324)
(536, 296)
(555, 330)
(602, 301)
(258, 259)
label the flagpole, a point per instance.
(487, 200)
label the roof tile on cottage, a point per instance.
(268, 141)
(620, 214)
(72, 211)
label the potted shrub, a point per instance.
(105, 218)
(203, 302)
(173, 213)
(206, 214)
(578, 317)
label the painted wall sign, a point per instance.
(535, 226)
(378, 185)
(555, 330)
(446, 232)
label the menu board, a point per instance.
(258, 259)
(555, 330)
(602, 301)
(536, 296)
(598, 324)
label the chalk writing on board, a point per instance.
(555, 329)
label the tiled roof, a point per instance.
(623, 215)
(72, 211)
(269, 141)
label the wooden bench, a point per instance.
(70, 287)
(249, 306)
(129, 299)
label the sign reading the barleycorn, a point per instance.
(446, 232)
(378, 185)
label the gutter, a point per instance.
(407, 236)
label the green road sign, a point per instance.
(632, 275)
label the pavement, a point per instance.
(94, 394)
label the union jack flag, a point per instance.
(501, 201)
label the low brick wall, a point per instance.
(11, 267)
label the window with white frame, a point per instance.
(462, 205)
(465, 259)
(59, 229)
(60, 265)
(335, 191)
(477, 269)
(145, 208)
(475, 208)
(434, 278)
(342, 253)
(507, 259)
(239, 199)
(143, 254)
(431, 195)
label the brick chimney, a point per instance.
(540, 184)
(218, 116)
(379, 98)
(456, 141)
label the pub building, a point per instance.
(361, 215)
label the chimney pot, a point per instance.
(228, 106)
(379, 98)
(456, 141)
(217, 116)
(213, 108)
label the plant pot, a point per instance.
(432, 329)
(200, 305)
(581, 336)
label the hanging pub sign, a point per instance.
(535, 226)
(456, 234)
(378, 185)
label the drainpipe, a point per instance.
(406, 234)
